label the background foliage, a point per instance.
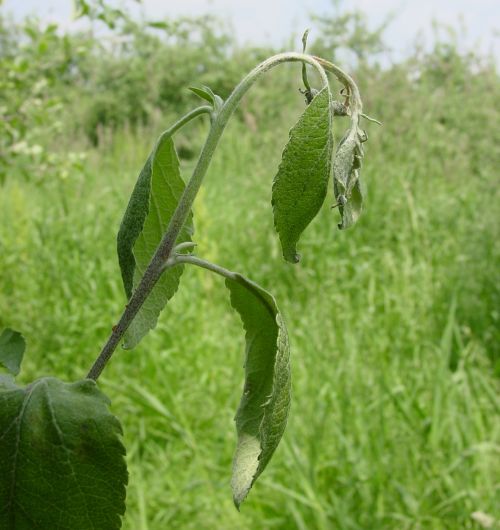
(394, 324)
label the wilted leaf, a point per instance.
(61, 457)
(346, 177)
(351, 210)
(339, 108)
(12, 346)
(263, 409)
(151, 207)
(301, 183)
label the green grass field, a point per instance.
(394, 325)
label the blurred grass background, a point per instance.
(394, 324)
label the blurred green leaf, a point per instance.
(158, 24)
(152, 203)
(300, 185)
(264, 406)
(100, 10)
(61, 457)
(12, 346)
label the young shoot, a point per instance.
(61, 448)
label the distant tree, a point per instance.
(348, 31)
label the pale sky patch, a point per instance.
(277, 21)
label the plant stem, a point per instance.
(191, 115)
(194, 260)
(139, 296)
(355, 103)
(164, 249)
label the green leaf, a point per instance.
(207, 94)
(12, 346)
(203, 94)
(158, 24)
(300, 186)
(346, 176)
(131, 225)
(263, 409)
(151, 207)
(61, 458)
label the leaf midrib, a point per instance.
(20, 419)
(66, 450)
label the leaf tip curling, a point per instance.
(245, 467)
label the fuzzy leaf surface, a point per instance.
(203, 94)
(263, 410)
(131, 225)
(12, 346)
(146, 219)
(207, 94)
(300, 186)
(61, 457)
(346, 177)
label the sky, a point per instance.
(276, 21)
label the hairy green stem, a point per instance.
(204, 264)
(138, 297)
(191, 115)
(164, 249)
(355, 103)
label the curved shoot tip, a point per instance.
(304, 40)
